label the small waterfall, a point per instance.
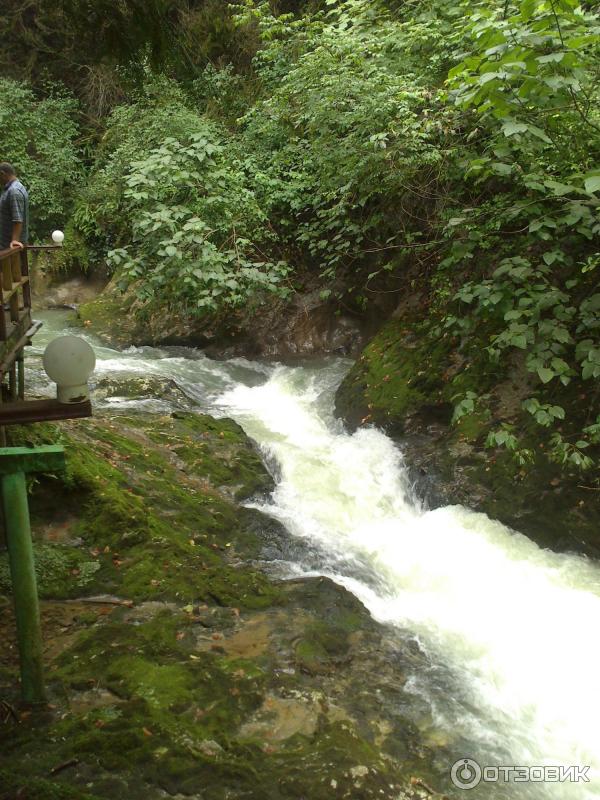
(515, 627)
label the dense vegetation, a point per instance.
(369, 148)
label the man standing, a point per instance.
(14, 209)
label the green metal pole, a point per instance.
(27, 610)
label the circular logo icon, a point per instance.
(466, 773)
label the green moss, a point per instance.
(410, 369)
(396, 374)
(474, 427)
(109, 317)
(151, 496)
(61, 571)
(324, 645)
(13, 784)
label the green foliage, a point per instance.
(505, 437)
(103, 50)
(452, 146)
(173, 206)
(528, 88)
(192, 227)
(344, 147)
(38, 136)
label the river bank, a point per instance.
(396, 614)
(406, 381)
(175, 665)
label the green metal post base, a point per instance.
(14, 463)
(27, 610)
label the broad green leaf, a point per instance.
(545, 374)
(511, 127)
(592, 184)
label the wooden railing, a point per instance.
(16, 331)
(15, 318)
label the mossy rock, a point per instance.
(173, 726)
(408, 381)
(61, 570)
(150, 387)
(153, 680)
(154, 509)
(109, 317)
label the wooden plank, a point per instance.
(15, 265)
(12, 382)
(21, 375)
(16, 287)
(22, 413)
(37, 247)
(3, 331)
(18, 337)
(27, 285)
(6, 275)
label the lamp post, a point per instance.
(69, 361)
(58, 237)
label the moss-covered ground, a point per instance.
(174, 667)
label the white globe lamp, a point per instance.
(58, 237)
(69, 361)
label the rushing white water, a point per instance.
(517, 628)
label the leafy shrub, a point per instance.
(173, 207)
(529, 93)
(343, 149)
(38, 136)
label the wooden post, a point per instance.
(2, 314)
(12, 382)
(25, 274)
(21, 375)
(2, 428)
(14, 463)
(15, 278)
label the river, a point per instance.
(512, 631)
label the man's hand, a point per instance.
(16, 244)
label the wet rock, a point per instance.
(305, 325)
(148, 388)
(67, 294)
(186, 671)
